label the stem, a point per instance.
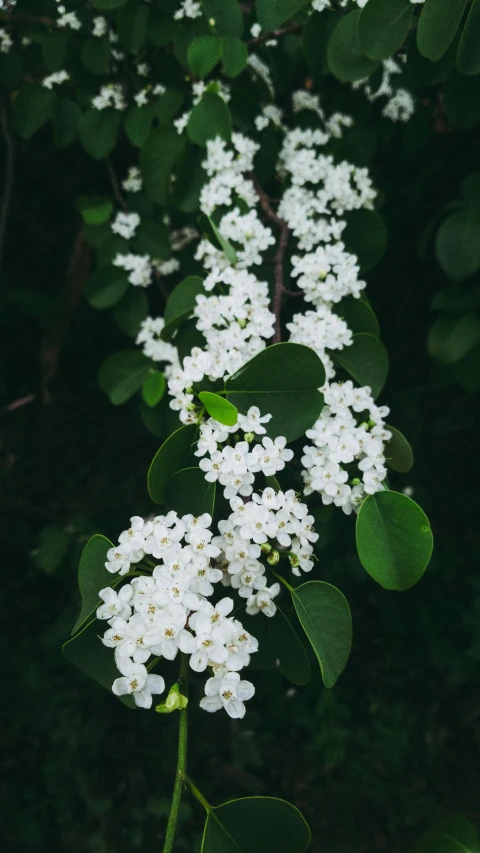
(282, 245)
(180, 773)
(283, 581)
(115, 186)
(198, 795)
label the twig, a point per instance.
(17, 404)
(280, 290)
(292, 28)
(9, 164)
(19, 18)
(115, 186)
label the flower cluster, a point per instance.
(55, 79)
(111, 95)
(165, 609)
(235, 465)
(400, 105)
(125, 224)
(153, 346)
(268, 523)
(139, 267)
(350, 430)
(133, 182)
(6, 42)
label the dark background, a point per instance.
(370, 763)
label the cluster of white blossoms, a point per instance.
(400, 105)
(6, 42)
(67, 20)
(234, 465)
(55, 79)
(100, 26)
(133, 182)
(167, 610)
(153, 346)
(188, 9)
(350, 431)
(111, 95)
(125, 224)
(139, 268)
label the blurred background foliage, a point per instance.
(395, 744)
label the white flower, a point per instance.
(253, 420)
(100, 26)
(139, 267)
(137, 682)
(227, 691)
(133, 181)
(262, 601)
(115, 604)
(125, 224)
(55, 79)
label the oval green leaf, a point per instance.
(188, 491)
(394, 540)
(181, 304)
(346, 59)
(219, 408)
(457, 245)
(93, 576)
(439, 21)
(208, 119)
(98, 131)
(172, 456)
(398, 453)
(383, 27)
(154, 388)
(283, 381)
(122, 374)
(366, 360)
(358, 316)
(453, 834)
(255, 825)
(366, 236)
(203, 54)
(234, 57)
(106, 287)
(468, 54)
(325, 617)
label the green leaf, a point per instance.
(98, 131)
(52, 548)
(181, 304)
(95, 211)
(454, 834)
(358, 315)
(11, 70)
(315, 37)
(95, 55)
(457, 245)
(394, 540)
(92, 577)
(325, 617)
(255, 825)
(31, 109)
(65, 116)
(132, 25)
(188, 491)
(383, 26)
(172, 456)
(451, 338)
(439, 21)
(365, 360)
(131, 311)
(468, 54)
(108, 4)
(55, 48)
(234, 57)
(122, 374)
(346, 60)
(227, 15)
(219, 408)
(138, 124)
(154, 388)
(152, 238)
(365, 236)
(208, 119)
(211, 232)
(106, 287)
(159, 155)
(283, 381)
(287, 648)
(203, 54)
(272, 13)
(88, 653)
(398, 453)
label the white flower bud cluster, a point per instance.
(55, 79)
(166, 611)
(68, 20)
(111, 95)
(133, 182)
(188, 9)
(235, 464)
(125, 224)
(153, 346)
(100, 26)
(350, 429)
(400, 105)
(139, 267)
(6, 42)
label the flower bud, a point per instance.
(175, 701)
(294, 561)
(265, 548)
(273, 558)
(249, 436)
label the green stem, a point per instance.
(282, 580)
(180, 773)
(198, 795)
